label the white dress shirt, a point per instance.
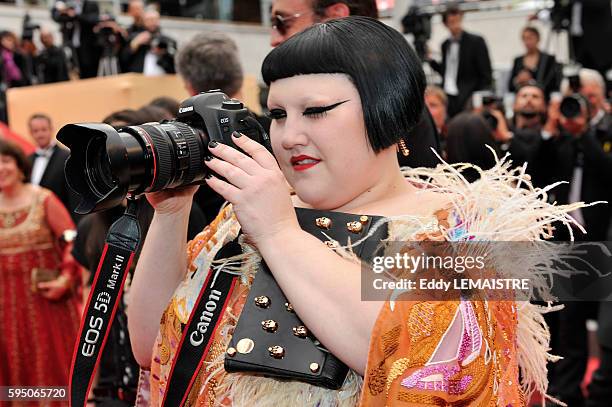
(41, 160)
(452, 68)
(151, 67)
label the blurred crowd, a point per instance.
(559, 126)
(92, 44)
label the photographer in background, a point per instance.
(580, 153)
(51, 65)
(78, 19)
(149, 52)
(111, 38)
(136, 10)
(523, 138)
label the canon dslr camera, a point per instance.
(105, 164)
(573, 104)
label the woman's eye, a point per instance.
(277, 114)
(315, 113)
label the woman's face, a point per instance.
(8, 42)
(319, 139)
(10, 174)
(436, 108)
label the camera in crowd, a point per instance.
(488, 101)
(164, 43)
(572, 105)
(418, 23)
(105, 164)
(106, 32)
(28, 28)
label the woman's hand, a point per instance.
(255, 186)
(55, 289)
(172, 201)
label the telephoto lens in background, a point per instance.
(105, 164)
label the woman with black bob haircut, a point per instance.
(389, 78)
(292, 329)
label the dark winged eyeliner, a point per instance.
(322, 109)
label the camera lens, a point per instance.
(491, 120)
(98, 170)
(105, 164)
(175, 155)
(570, 107)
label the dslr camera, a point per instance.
(105, 165)
(488, 101)
(571, 106)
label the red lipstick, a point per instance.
(303, 162)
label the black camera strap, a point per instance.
(198, 333)
(121, 243)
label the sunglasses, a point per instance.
(282, 24)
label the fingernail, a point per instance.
(213, 144)
(236, 134)
(208, 158)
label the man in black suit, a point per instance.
(465, 66)
(582, 155)
(48, 162)
(149, 51)
(51, 65)
(78, 19)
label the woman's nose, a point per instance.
(292, 136)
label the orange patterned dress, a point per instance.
(38, 335)
(453, 353)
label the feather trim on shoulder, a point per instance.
(504, 206)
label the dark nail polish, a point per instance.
(208, 176)
(208, 158)
(213, 144)
(236, 134)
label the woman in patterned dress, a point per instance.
(39, 316)
(342, 94)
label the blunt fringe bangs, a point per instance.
(381, 64)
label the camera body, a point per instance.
(487, 100)
(105, 164)
(28, 28)
(572, 105)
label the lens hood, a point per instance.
(80, 138)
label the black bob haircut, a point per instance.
(379, 61)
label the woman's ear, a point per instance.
(337, 10)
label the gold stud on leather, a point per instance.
(289, 307)
(300, 331)
(323, 222)
(354, 227)
(363, 219)
(332, 244)
(262, 301)
(245, 345)
(314, 367)
(276, 351)
(269, 325)
(231, 352)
